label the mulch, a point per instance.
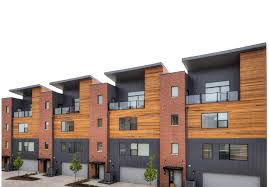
(26, 177)
(80, 184)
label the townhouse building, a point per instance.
(203, 128)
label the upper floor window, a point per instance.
(215, 120)
(99, 146)
(128, 123)
(6, 144)
(233, 152)
(46, 127)
(20, 146)
(217, 91)
(47, 105)
(99, 122)
(100, 99)
(46, 145)
(174, 91)
(67, 126)
(174, 119)
(174, 148)
(29, 146)
(6, 127)
(23, 127)
(207, 151)
(7, 109)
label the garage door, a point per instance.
(223, 180)
(82, 173)
(133, 175)
(29, 165)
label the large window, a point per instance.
(29, 146)
(174, 148)
(123, 149)
(174, 119)
(233, 152)
(136, 99)
(128, 123)
(139, 149)
(23, 127)
(215, 120)
(67, 126)
(217, 91)
(20, 146)
(78, 147)
(174, 91)
(207, 151)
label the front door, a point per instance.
(101, 172)
(175, 178)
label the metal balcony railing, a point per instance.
(127, 105)
(22, 114)
(212, 97)
(66, 110)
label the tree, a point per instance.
(75, 166)
(150, 173)
(18, 162)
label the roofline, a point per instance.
(240, 49)
(18, 90)
(134, 68)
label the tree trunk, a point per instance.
(75, 176)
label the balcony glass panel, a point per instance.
(127, 105)
(22, 114)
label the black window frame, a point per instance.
(100, 122)
(78, 147)
(172, 116)
(70, 128)
(211, 145)
(46, 145)
(127, 121)
(217, 113)
(229, 152)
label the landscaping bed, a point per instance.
(26, 177)
(80, 184)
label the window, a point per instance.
(174, 147)
(215, 120)
(77, 104)
(47, 105)
(207, 151)
(122, 149)
(63, 147)
(6, 127)
(128, 123)
(71, 148)
(99, 122)
(29, 146)
(143, 149)
(23, 127)
(20, 146)
(174, 119)
(46, 125)
(233, 152)
(46, 145)
(174, 91)
(7, 109)
(67, 126)
(134, 149)
(99, 146)
(217, 91)
(100, 99)
(136, 99)
(78, 147)
(6, 144)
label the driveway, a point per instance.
(57, 181)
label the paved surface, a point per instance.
(57, 181)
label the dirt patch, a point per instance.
(80, 184)
(25, 177)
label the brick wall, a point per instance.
(6, 119)
(172, 134)
(98, 134)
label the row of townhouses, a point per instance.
(204, 127)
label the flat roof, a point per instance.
(202, 61)
(25, 91)
(70, 82)
(130, 72)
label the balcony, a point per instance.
(22, 114)
(127, 105)
(212, 97)
(66, 110)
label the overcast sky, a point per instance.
(50, 40)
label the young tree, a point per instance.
(75, 166)
(18, 162)
(150, 173)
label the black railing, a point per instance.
(22, 114)
(66, 110)
(212, 97)
(127, 105)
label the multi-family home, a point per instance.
(206, 127)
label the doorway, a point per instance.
(175, 178)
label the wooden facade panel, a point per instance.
(148, 119)
(247, 117)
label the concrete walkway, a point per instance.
(57, 181)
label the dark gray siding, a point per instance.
(254, 166)
(197, 79)
(127, 160)
(112, 93)
(68, 157)
(123, 87)
(66, 99)
(25, 154)
(23, 104)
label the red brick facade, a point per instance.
(6, 119)
(172, 134)
(45, 135)
(98, 134)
